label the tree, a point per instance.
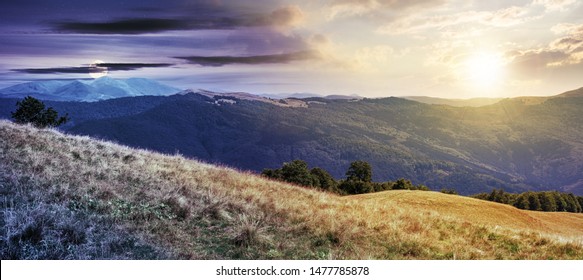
(272, 173)
(561, 203)
(449, 191)
(522, 202)
(580, 200)
(402, 184)
(356, 187)
(548, 202)
(31, 110)
(498, 196)
(359, 171)
(323, 179)
(533, 201)
(572, 203)
(297, 172)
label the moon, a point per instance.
(96, 71)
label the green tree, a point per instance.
(423, 188)
(498, 195)
(31, 110)
(560, 200)
(482, 196)
(272, 173)
(449, 191)
(402, 184)
(522, 202)
(580, 200)
(323, 179)
(577, 206)
(384, 186)
(572, 203)
(533, 201)
(356, 187)
(359, 171)
(548, 202)
(297, 172)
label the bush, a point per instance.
(449, 191)
(356, 187)
(402, 184)
(31, 110)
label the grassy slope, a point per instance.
(75, 197)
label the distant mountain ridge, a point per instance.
(485, 101)
(88, 91)
(517, 144)
(471, 102)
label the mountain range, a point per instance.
(517, 144)
(472, 102)
(88, 90)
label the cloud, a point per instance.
(58, 70)
(534, 60)
(554, 5)
(283, 17)
(501, 18)
(373, 57)
(144, 25)
(288, 16)
(132, 66)
(253, 41)
(92, 68)
(342, 8)
(250, 60)
(563, 51)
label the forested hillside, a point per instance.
(516, 144)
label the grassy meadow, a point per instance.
(72, 197)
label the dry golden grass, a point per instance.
(483, 212)
(173, 207)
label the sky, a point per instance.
(372, 48)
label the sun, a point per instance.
(484, 70)
(96, 71)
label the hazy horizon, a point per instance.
(374, 48)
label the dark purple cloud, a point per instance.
(281, 17)
(93, 68)
(145, 25)
(258, 59)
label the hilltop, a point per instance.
(75, 197)
(471, 102)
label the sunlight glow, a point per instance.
(484, 70)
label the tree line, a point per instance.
(358, 179)
(549, 201)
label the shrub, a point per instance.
(449, 191)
